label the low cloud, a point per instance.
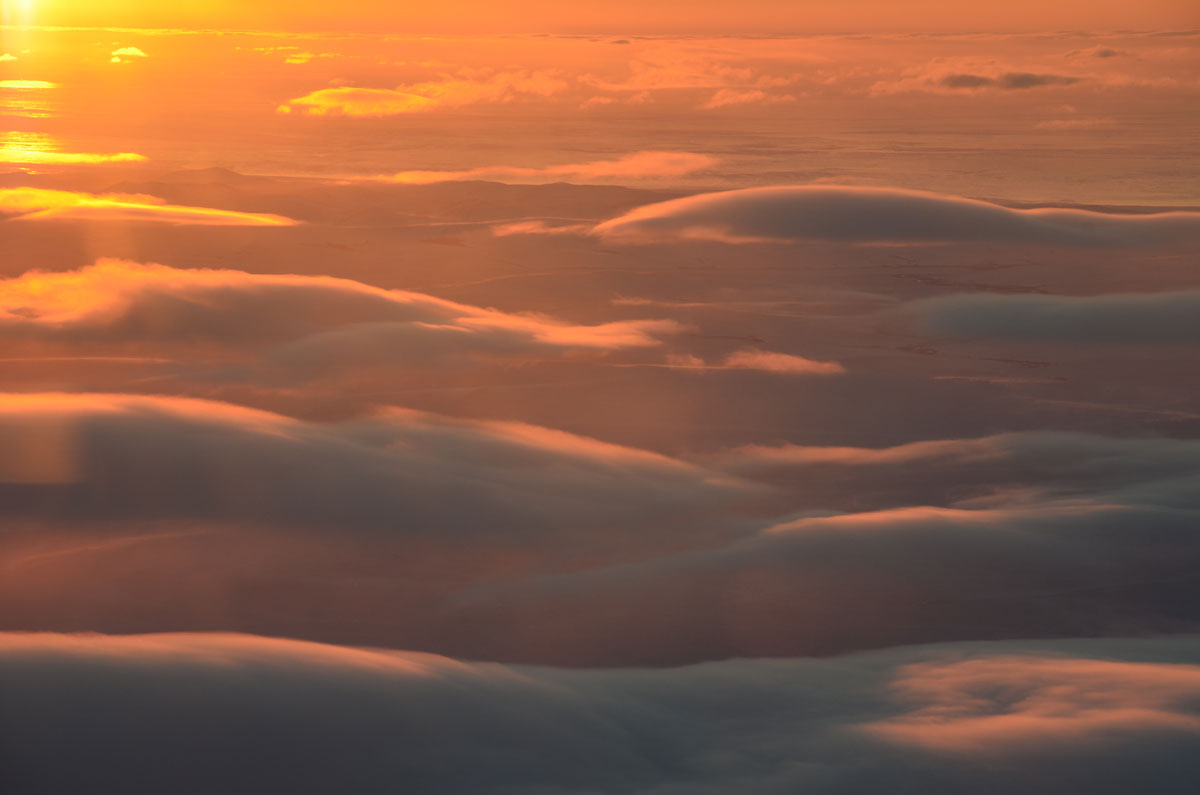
(992, 470)
(1171, 318)
(828, 584)
(38, 204)
(297, 326)
(639, 165)
(1078, 703)
(885, 215)
(451, 92)
(395, 474)
(506, 541)
(1107, 716)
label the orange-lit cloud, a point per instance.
(993, 707)
(639, 165)
(303, 325)
(39, 204)
(451, 92)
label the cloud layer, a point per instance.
(886, 215)
(151, 713)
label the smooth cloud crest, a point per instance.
(39, 204)
(886, 215)
(399, 473)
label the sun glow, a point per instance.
(18, 12)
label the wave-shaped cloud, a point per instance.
(122, 456)
(829, 584)
(144, 714)
(886, 215)
(1004, 468)
(1033, 534)
(507, 541)
(40, 204)
(1169, 318)
(301, 324)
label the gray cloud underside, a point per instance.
(88, 458)
(197, 714)
(293, 326)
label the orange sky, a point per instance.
(619, 15)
